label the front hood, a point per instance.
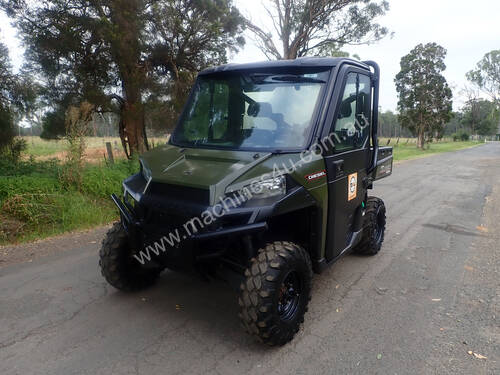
(208, 169)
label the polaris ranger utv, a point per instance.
(264, 180)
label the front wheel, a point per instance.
(373, 228)
(119, 267)
(276, 291)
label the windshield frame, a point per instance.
(318, 110)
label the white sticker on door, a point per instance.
(352, 186)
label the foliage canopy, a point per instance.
(317, 27)
(425, 99)
(124, 55)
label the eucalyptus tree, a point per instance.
(486, 75)
(425, 99)
(112, 53)
(316, 27)
(17, 98)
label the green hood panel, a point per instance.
(207, 169)
(216, 170)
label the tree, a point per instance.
(454, 124)
(481, 116)
(388, 124)
(17, 95)
(312, 27)
(6, 84)
(105, 52)
(425, 99)
(487, 75)
(53, 124)
(188, 37)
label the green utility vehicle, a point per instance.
(264, 181)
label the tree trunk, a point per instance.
(290, 53)
(133, 127)
(421, 139)
(126, 49)
(421, 133)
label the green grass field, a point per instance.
(406, 149)
(38, 147)
(35, 204)
(410, 151)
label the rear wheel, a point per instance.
(119, 267)
(373, 228)
(276, 292)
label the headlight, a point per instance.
(145, 171)
(127, 198)
(268, 188)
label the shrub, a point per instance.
(102, 181)
(13, 150)
(461, 135)
(45, 214)
(48, 168)
(13, 185)
(34, 203)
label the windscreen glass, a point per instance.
(251, 111)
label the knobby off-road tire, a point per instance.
(118, 266)
(373, 228)
(275, 294)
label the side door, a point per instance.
(348, 157)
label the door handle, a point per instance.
(338, 168)
(367, 182)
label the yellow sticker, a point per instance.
(352, 186)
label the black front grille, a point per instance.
(162, 221)
(180, 193)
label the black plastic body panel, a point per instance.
(156, 215)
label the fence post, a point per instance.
(109, 150)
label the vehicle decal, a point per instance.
(315, 176)
(352, 186)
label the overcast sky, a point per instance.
(467, 29)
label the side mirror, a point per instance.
(345, 109)
(253, 109)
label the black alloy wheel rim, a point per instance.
(380, 226)
(289, 296)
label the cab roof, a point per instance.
(302, 62)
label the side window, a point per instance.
(352, 125)
(364, 112)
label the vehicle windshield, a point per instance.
(251, 111)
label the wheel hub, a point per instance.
(380, 226)
(289, 296)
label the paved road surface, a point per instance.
(430, 297)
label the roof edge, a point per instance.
(302, 62)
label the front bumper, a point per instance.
(132, 225)
(150, 214)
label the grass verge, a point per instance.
(34, 204)
(410, 151)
